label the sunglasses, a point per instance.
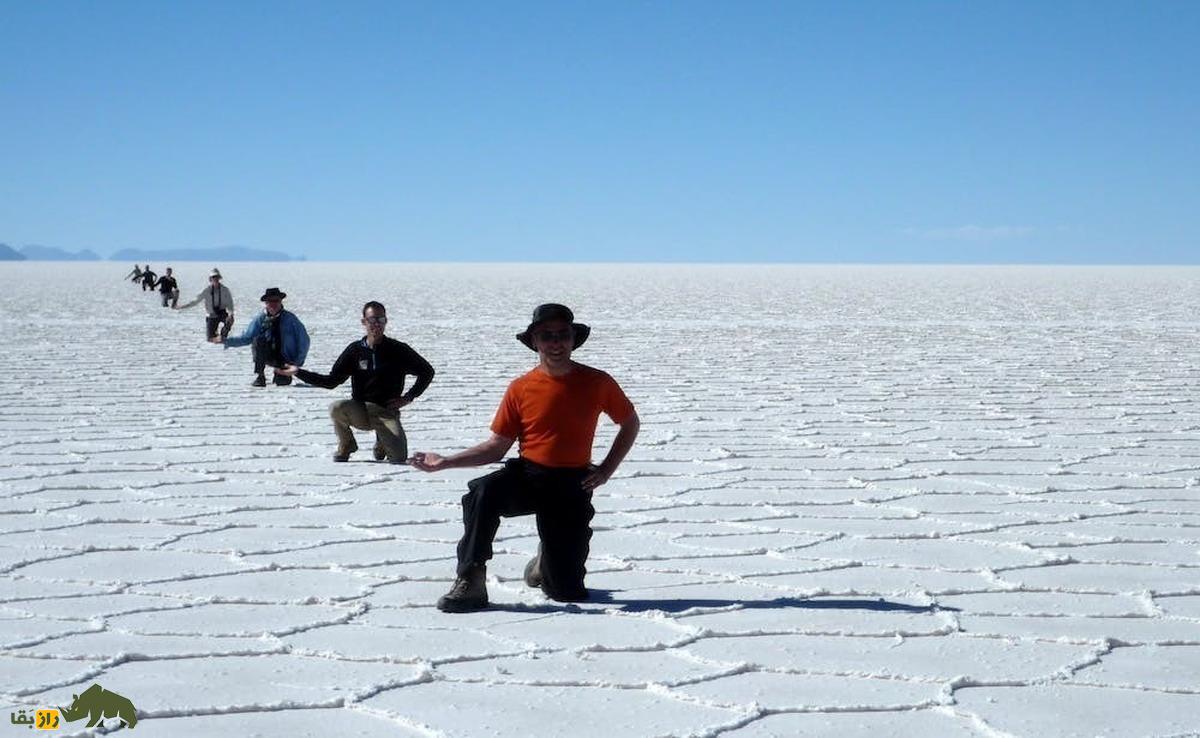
(375, 320)
(551, 336)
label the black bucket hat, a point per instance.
(272, 293)
(554, 311)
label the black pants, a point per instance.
(265, 355)
(564, 513)
(222, 319)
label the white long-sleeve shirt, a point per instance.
(214, 299)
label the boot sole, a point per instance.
(583, 596)
(457, 606)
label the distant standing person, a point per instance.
(277, 336)
(552, 410)
(148, 279)
(168, 289)
(135, 275)
(376, 365)
(218, 306)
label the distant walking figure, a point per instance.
(135, 275)
(376, 366)
(218, 306)
(168, 289)
(278, 338)
(148, 279)
(552, 410)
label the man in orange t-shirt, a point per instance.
(552, 410)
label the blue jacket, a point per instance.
(292, 335)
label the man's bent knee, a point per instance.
(340, 409)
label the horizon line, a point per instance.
(674, 262)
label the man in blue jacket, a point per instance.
(278, 338)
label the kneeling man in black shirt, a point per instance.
(376, 366)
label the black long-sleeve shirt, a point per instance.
(376, 375)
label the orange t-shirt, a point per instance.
(554, 418)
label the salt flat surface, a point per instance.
(866, 501)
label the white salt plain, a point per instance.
(866, 501)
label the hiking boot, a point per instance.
(259, 381)
(380, 452)
(533, 570)
(281, 380)
(469, 592)
(343, 452)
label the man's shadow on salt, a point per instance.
(609, 598)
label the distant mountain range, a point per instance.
(49, 253)
(225, 253)
(142, 256)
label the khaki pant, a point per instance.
(369, 416)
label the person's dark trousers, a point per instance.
(265, 355)
(564, 514)
(210, 326)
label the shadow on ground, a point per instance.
(608, 597)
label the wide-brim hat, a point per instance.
(273, 293)
(554, 311)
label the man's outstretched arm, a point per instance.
(488, 452)
(621, 445)
(247, 336)
(336, 376)
(197, 301)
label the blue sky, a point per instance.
(991, 132)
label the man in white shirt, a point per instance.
(218, 304)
